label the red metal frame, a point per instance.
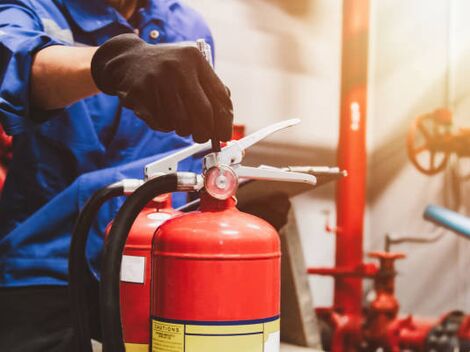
(352, 156)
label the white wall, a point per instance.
(281, 59)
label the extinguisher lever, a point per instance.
(273, 174)
(170, 163)
(223, 170)
(233, 153)
(261, 134)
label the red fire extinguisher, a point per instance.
(135, 269)
(215, 272)
(136, 272)
(216, 281)
(136, 259)
(135, 276)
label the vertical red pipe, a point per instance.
(351, 190)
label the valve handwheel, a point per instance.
(426, 141)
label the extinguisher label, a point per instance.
(133, 269)
(231, 336)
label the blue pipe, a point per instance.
(448, 219)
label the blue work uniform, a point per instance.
(61, 157)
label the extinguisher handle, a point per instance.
(222, 171)
(170, 163)
(268, 173)
(259, 135)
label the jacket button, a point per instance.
(154, 34)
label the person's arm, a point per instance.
(171, 87)
(60, 76)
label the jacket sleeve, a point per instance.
(21, 36)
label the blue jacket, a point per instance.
(59, 163)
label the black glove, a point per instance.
(171, 87)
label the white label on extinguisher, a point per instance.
(133, 269)
(273, 342)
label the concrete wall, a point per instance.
(281, 59)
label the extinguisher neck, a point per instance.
(209, 203)
(161, 202)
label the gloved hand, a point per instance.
(171, 87)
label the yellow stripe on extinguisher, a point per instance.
(260, 335)
(136, 347)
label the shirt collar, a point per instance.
(92, 15)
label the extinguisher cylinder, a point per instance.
(216, 281)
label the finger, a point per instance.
(157, 120)
(174, 114)
(222, 114)
(171, 107)
(209, 78)
(182, 122)
(145, 103)
(200, 111)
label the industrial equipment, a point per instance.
(379, 326)
(431, 141)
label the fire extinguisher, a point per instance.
(136, 272)
(135, 283)
(215, 272)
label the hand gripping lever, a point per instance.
(223, 170)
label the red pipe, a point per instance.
(351, 190)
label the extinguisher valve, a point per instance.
(223, 170)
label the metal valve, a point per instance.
(223, 170)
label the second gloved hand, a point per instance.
(171, 87)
